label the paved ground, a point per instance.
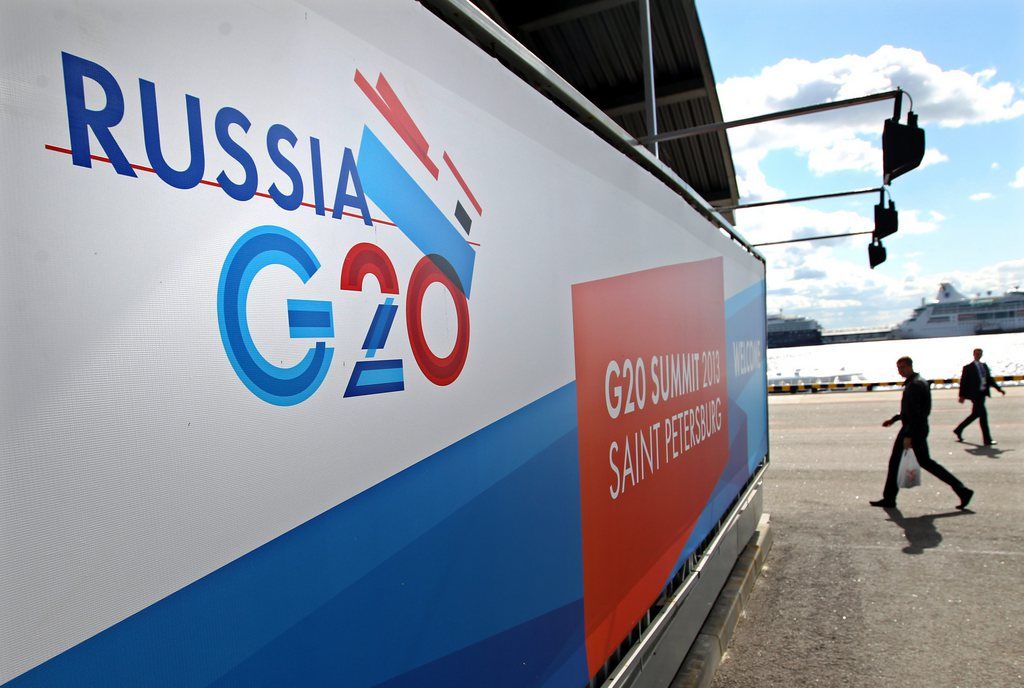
(923, 595)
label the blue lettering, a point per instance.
(318, 175)
(191, 175)
(247, 189)
(81, 118)
(255, 250)
(276, 134)
(357, 200)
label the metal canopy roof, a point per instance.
(596, 46)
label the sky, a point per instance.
(960, 212)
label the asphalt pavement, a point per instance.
(853, 595)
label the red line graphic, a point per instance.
(462, 183)
(142, 168)
(389, 105)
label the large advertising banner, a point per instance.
(335, 354)
(653, 432)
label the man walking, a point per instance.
(915, 405)
(977, 383)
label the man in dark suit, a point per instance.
(976, 384)
(915, 405)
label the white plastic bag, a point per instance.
(910, 470)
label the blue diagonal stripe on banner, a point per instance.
(483, 537)
(395, 192)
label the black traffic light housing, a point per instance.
(876, 253)
(886, 224)
(886, 220)
(902, 144)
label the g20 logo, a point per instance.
(271, 245)
(378, 175)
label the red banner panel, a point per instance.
(653, 406)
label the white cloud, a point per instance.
(997, 279)
(850, 138)
(995, 166)
(753, 185)
(848, 295)
(843, 154)
(911, 222)
(831, 281)
(783, 222)
(982, 196)
(933, 156)
(1018, 180)
(852, 295)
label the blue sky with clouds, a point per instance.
(960, 212)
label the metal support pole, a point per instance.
(650, 107)
(896, 105)
(803, 198)
(815, 238)
(718, 126)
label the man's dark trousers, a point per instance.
(977, 412)
(919, 444)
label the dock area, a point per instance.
(853, 595)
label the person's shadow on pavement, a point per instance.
(982, 450)
(920, 531)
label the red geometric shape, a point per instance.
(440, 371)
(462, 183)
(389, 105)
(368, 259)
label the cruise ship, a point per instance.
(954, 314)
(791, 330)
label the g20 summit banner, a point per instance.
(336, 354)
(653, 427)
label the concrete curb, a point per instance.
(698, 669)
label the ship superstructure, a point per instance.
(953, 314)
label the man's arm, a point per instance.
(964, 382)
(992, 381)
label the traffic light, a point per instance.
(886, 224)
(876, 253)
(886, 220)
(902, 146)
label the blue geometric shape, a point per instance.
(375, 377)
(395, 192)
(506, 650)
(748, 415)
(430, 546)
(516, 536)
(377, 335)
(256, 249)
(463, 217)
(310, 319)
(379, 376)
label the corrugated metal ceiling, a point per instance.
(595, 45)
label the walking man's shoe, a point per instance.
(888, 503)
(991, 444)
(965, 497)
(959, 435)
